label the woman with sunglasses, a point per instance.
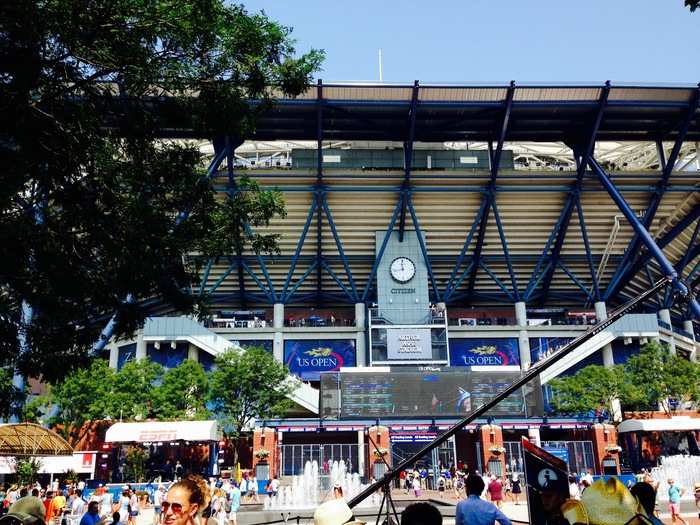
(184, 501)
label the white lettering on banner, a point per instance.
(400, 291)
(325, 362)
(472, 360)
(409, 343)
(157, 435)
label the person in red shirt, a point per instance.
(495, 489)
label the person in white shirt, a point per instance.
(77, 506)
(158, 496)
(574, 490)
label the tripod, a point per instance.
(391, 517)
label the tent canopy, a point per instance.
(675, 424)
(160, 431)
(29, 439)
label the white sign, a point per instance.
(331, 158)
(409, 343)
(468, 160)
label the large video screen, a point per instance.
(416, 392)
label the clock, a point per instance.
(402, 269)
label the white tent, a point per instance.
(163, 431)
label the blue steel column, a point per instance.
(623, 275)
(575, 189)
(495, 159)
(230, 148)
(319, 191)
(645, 237)
(408, 158)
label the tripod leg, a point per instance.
(381, 506)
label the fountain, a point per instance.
(685, 470)
(305, 491)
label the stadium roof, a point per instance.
(449, 112)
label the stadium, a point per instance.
(439, 240)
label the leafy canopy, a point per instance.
(246, 386)
(89, 93)
(646, 381)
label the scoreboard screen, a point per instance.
(406, 392)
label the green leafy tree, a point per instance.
(182, 393)
(593, 388)
(90, 189)
(27, 470)
(135, 464)
(658, 376)
(10, 395)
(248, 385)
(692, 5)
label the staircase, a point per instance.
(187, 329)
(630, 325)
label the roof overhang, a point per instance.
(675, 424)
(29, 439)
(160, 431)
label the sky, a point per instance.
(480, 41)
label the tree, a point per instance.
(593, 388)
(182, 393)
(27, 470)
(692, 5)
(659, 377)
(90, 193)
(248, 385)
(135, 464)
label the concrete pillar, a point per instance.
(688, 327)
(360, 346)
(193, 353)
(665, 316)
(113, 356)
(266, 439)
(601, 313)
(361, 453)
(604, 437)
(534, 435)
(523, 337)
(378, 435)
(521, 313)
(278, 316)
(278, 347)
(140, 346)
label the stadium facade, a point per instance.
(439, 240)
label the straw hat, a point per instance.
(332, 512)
(603, 503)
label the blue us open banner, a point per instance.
(484, 352)
(308, 358)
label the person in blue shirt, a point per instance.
(476, 511)
(92, 516)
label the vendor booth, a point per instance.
(173, 447)
(645, 440)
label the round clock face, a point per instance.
(402, 269)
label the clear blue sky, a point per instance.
(649, 41)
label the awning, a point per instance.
(29, 439)
(79, 462)
(163, 431)
(675, 424)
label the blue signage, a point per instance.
(308, 358)
(484, 352)
(561, 453)
(541, 347)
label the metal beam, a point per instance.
(378, 258)
(581, 160)
(506, 252)
(318, 193)
(595, 291)
(495, 159)
(300, 244)
(339, 245)
(423, 249)
(666, 267)
(408, 156)
(449, 289)
(622, 276)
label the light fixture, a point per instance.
(156, 345)
(173, 345)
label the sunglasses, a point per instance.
(176, 507)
